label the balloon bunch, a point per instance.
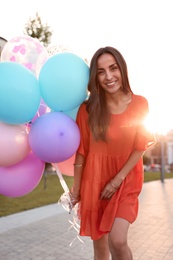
(40, 96)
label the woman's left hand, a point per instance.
(110, 188)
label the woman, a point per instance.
(108, 169)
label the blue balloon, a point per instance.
(19, 93)
(63, 81)
(72, 113)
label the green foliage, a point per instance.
(146, 160)
(35, 29)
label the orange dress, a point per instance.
(104, 160)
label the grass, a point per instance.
(42, 195)
(48, 191)
(153, 176)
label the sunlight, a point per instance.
(158, 123)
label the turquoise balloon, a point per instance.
(72, 113)
(63, 81)
(19, 93)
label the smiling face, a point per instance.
(108, 74)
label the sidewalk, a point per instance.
(43, 233)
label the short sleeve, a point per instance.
(82, 122)
(144, 138)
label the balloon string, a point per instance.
(61, 179)
(67, 205)
(65, 198)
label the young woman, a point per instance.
(108, 169)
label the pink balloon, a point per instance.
(43, 109)
(20, 179)
(14, 144)
(66, 167)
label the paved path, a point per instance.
(43, 233)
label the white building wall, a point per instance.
(170, 152)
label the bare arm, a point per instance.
(115, 183)
(78, 170)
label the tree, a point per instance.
(2, 43)
(35, 29)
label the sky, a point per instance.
(142, 30)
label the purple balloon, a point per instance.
(54, 137)
(21, 178)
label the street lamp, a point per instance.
(162, 177)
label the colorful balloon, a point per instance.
(43, 108)
(19, 93)
(66, 167)
(20, 179)
(27, 51)
(63, 81)
(58, 48)
(14, 144)
(54, 137)
(72, 113)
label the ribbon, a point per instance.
(65, 201)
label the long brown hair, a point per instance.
(99, 115)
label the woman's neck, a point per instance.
(117, 104)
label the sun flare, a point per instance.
(158, 124)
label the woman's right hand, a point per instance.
(74, 196)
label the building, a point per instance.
(162, 151)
